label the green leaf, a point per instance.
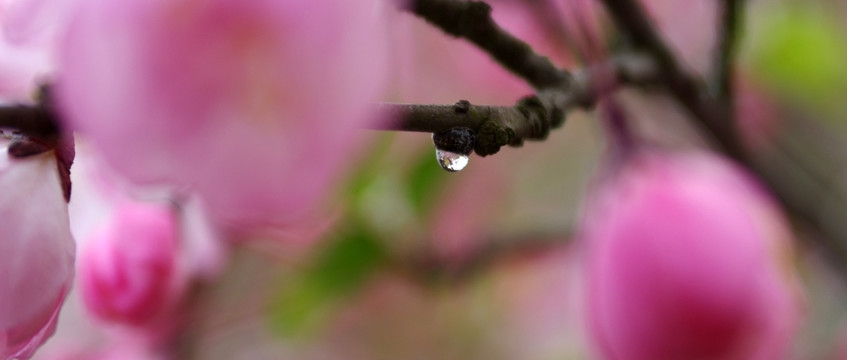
(299, 310)
(368, 168)
(346, 263)
(343, 267)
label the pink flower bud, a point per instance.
(251, 103)
(36, 253)
(128, 272)
(687, 259)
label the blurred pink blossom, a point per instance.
(99, 192)
(687, 259)
(175, 246)
(37, 253)
(30, 22)
(28, 31)
(128, 271)
(20, 67)
(251, 103)
(124, 349)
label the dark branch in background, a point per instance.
(713, 115)
(428, 267)
(732, 13)
(686, 88)
(472, 20)
(495, 126)
(559, 91)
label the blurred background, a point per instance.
(418, 263)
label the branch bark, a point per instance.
(427, 267)
(30, 119)
(532, 117)
(731, 15)
(714, 116)
(688, 90)
(472, 20)
(495, 126)
(39, 120)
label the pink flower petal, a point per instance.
(685, 261)
(251, 103)
(36, 254)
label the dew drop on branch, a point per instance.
(451, 161)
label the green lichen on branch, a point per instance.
(492, 137)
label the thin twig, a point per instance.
(712, 116)
(39, 120)
(428, 267)
(29, 119)
(731, 15)
(472, 20)
(685, 87)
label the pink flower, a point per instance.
(117, 349)
(687, 259)
(33, 21)
(36, 253)
(28, 30)
(252, 103)
(20, 67)
(128, 271)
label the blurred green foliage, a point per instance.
(345, 263)
(799, 49)
(367, 168)
(424, 180)
(356, 248)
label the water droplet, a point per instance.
(452, 148)
(451, 161)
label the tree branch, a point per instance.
(688, 90)
(732, 13)
(532, 117)
(495, 126)
(713, 116)
(38, 120)
(428, 267)
(472, 20)
(29, 119)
